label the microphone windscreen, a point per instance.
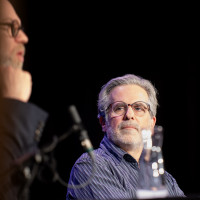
(74, 114)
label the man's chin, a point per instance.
(18, 66)
(13, 63)
(131, 138)
(129, 132)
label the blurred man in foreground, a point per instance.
(21, 123)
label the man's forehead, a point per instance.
(7, 12)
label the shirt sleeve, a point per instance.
(103, 185)
(173, 188)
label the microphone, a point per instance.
(85, 141)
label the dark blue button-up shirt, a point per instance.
(116, 175)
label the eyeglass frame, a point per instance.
(14, 31)
(148, 107)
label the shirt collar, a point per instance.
(115, 151)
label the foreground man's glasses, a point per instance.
(14, 27)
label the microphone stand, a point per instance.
(41, 156)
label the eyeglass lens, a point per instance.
(15, 27)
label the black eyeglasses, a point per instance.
(14, 26)
(119, 108)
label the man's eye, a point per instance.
(119, 108)
(139, 108)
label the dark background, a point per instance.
(74, 49)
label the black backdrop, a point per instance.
(75, 49)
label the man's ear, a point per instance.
(102, 122)
(153, 122)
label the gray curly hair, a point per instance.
(128, 79)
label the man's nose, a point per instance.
(22, 37)
(129, 113)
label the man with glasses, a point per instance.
(127, 105)
(21, 122)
